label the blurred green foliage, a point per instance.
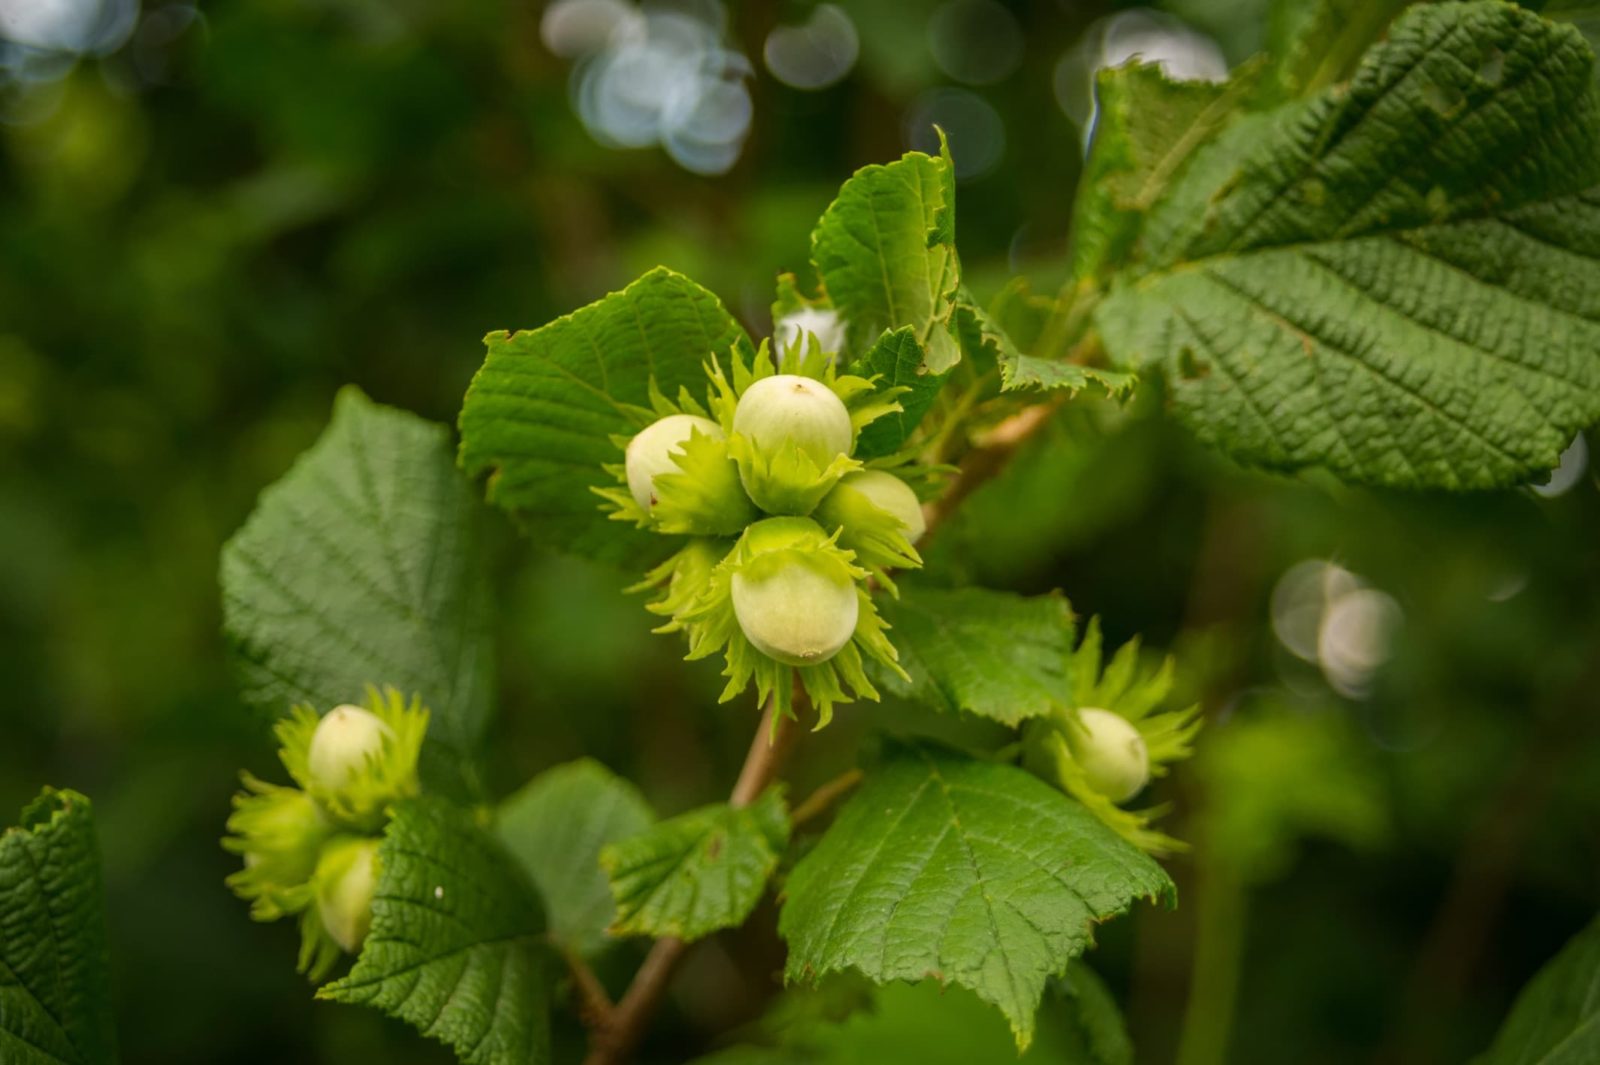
(201, 238)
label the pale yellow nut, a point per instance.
(347, 879)
(1111, 753)
(346, 737)
(650, 453)
(887, 492)
(788, 410)
(795, 613)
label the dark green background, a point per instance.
(207, 236)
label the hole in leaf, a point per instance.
(1189, 367)
(1447, 100)
(1437, 201)
(1493, 69)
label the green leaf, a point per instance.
(556, 827)
(1049, 375)
(1395, 279)
(993, 654)
(698, 872)
(985, 342)
(541, 413)
(55, 982)
(1017, 315)
(1147, 127)
(963, 871)
(1098, 1020)
(362, 565)
(1556, 1018)
(457, 942)
(885, 250)
(898, 360)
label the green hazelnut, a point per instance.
(347, 878)
(1111, 753)
(650, 452)
(787, 410)
(279, 833)
(346, 738)
(794, 602)
(286, 830)
(889, 493)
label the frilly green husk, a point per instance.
(1122, 689)
(696, 596)
(388, 776)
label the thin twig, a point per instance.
(986, 460)
(818, 801)
(614, 1040)
(768, 749)
(594, 1004)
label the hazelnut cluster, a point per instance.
(786, 525)
(312, 851)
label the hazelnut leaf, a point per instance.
(55, 1003)
(985, 341)
(971, 650)
(698, 872)
(359, 567)
(1147, 127)
(897, 360)
(456, 947)
(1393, 279)
(1556, 1018)
(539, 417)
(885, 251)
(963, 871)
(555, 827)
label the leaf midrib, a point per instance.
(980, 884)
(351, 982)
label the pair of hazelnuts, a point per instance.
(312, 850)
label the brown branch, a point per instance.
(768, 749)
(818, 802)
(594, 1004)
(613, 1040)
(983, 462)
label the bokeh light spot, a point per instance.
(1183, 54)
(975, 41)
(1569, 471)
(977, 132)
(663, 76)
(816, 53)
(1326, 615)
(572, 28)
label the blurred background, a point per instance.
(212, 216)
